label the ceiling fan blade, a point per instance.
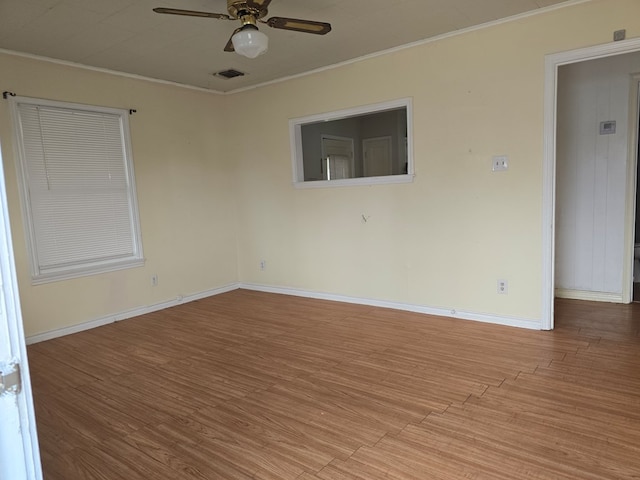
(258, 4)
(192, 13)
(229, 46)
(306, 26)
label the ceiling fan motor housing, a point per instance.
(239, 9)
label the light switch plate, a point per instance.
(499, 163)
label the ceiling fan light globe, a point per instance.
(250, 42)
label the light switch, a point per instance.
(500, 163)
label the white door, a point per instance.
(377, 156)
(19, 454)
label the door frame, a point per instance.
(552, 63)
(19, 452)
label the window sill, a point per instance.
(69, 274)
(352, 182)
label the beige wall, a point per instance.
(441, 241)
(444, 240)
(185, 193)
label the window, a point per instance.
(358, 146)
(77, 189)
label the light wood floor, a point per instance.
(249, 385)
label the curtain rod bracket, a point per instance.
(7, 94)
(132, 111)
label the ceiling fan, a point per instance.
(247, 40)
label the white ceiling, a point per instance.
(127, 36)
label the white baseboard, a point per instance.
(589, 296)
(116, 317)
(441, 312)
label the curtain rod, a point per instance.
(6, 94)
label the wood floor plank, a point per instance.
(51, 375)
(249, 456)
(302, 421)
(249, 385)
(572, 454)
(78, 418)
(184, 459)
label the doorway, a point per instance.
(552, 64)
(595, 161)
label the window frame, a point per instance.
(93, 266)
(295, 136)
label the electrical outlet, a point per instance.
(619, 35)
(503, 287)
(263, 264)
(499, 163)
(154, 280)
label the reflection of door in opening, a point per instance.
(338, 167)
(337, 157)
(377, 156)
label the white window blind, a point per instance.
(78, 189)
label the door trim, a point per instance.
(552, 63)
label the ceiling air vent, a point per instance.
(231, 73)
